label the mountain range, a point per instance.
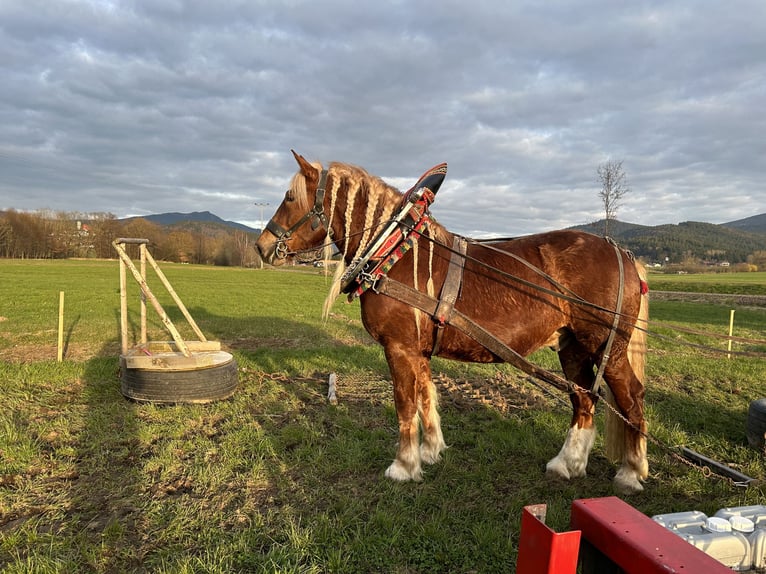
(732, 241)
(204, 217)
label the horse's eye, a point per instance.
(289, 195)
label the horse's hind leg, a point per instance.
(572, 459)
(628, 393)
(413, 392)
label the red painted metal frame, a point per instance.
(543, 551)
(634, 542)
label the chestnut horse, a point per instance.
(499, 293)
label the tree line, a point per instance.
(61, 235)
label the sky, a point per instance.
(135, 108)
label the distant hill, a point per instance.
(191, 220)
(676, 242)
(731, 242)
(754, 224)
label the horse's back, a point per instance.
(575, 259)
(525, 289)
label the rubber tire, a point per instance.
(201, 385)
(756, 424)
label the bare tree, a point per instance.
(614, 186)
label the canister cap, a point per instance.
(741, 524)
(716, 524)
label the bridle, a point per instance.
(316, 214)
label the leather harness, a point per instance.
(450, 289)
(316, 214)
(442, 310)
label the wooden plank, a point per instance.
(176, 361)
(172, 347)
(149, 295)
(174, 295)
(123, 308)
(142, 251)
(636, 543)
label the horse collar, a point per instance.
(397, 236)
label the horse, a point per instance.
(556, 289)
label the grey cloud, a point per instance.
(132, 107)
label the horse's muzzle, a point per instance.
(270, 252)
(266, 252)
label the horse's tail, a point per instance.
(614, 430)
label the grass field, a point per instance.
(749, 283)
(275, 479)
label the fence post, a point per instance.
(61, 327)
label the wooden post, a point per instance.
(176, 298)
(61, 327)
(331, 396)
(123, 308)
(731, 331)
(143, 252)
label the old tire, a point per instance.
(756, 424)
(194, 385)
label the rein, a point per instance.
(573, 297)
(399, 234)
(316, 214)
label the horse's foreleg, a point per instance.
(428, 402)
(405, 370)
(572, 459)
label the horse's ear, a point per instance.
(308, 170)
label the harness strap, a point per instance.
(396, 236)
(450, 289)
(318, 210)
(316, 214)
(615, 322)
(406, 294)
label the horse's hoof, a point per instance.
(627, 483)
(429, 454)
(398, 472)
(556, 469)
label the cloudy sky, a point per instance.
(134, 108)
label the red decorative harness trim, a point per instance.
(398, 236)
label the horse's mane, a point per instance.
(379, 201)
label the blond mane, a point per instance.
(378, 200)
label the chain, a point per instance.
(706, 471)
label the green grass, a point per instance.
(277, 480)
(733, 283)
